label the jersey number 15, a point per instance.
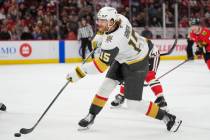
(104, 56)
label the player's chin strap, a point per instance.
(110, 26)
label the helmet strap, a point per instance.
(110, 26)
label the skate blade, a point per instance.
(116, 107)
(176, 126)
(83, 128)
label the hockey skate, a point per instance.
(3, 107)
(172, 123)
(86, 123)
(161, 102)
(119, 100)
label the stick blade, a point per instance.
(25, 130)
(171, 49)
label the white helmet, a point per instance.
(107, 13)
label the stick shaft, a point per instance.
(172, 69)
(46, 110)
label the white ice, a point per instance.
(28, 89)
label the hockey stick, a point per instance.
(29, 130)
(171, 49)
(173, 69)
(170, 70)
(93, 51)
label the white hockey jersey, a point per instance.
(132, 47)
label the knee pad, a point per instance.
(107, 87)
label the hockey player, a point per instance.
(156, 87)
(127, 54)
(201, 36)
(2, 107)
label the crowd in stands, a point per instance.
(60, 19)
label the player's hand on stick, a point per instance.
(76, 74)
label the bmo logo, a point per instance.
(25, 50)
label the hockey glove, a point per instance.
(199, 51)
(75, 75)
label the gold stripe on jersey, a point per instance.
(100, 65)
(135, 61)
(99, 101)
(79, 72)
(153, 110)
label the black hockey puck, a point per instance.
(3, 107)
(17, 135)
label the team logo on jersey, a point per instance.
(109, 38)
(204, 33)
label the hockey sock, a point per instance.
(148, 108)
(155, 85)
(155, 112)
(97, 104)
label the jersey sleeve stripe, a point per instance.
(135, 61)
(99, 101)
(102, 98)
(100, 65)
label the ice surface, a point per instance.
(28, 89)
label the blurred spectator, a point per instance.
(37, 33)
(2, 14)
(147, 33)
(184, 22)
(4, 34)
(158, 36)
(26, 35)
(71, 36)
(41, 18)
(169, 19)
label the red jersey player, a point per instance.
(201, 35)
